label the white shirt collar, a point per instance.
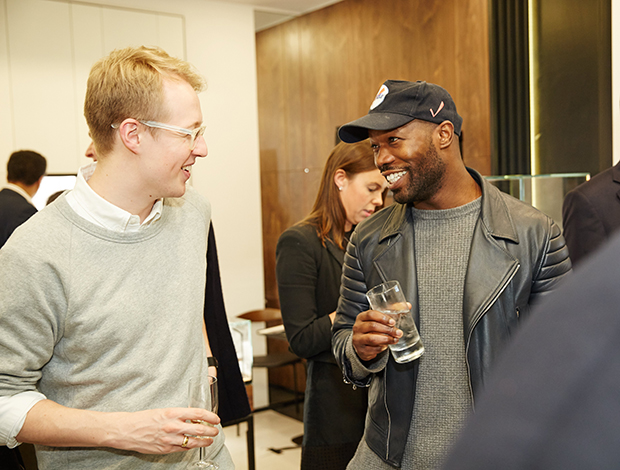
(20, 191)
(92, 207)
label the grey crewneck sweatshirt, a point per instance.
(106, 321)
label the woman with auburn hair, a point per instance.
(309, 259)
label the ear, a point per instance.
(129, 133)
(446, 134)
(340, 178)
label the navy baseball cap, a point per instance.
(399, 102)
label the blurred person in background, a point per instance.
(25, 171)
(551, 402)
(591, 213)
(309, 258)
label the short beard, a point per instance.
(425, 178)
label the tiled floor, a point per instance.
(271, 430)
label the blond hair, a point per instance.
(128, 83)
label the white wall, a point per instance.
(46, 50)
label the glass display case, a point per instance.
(241, 331)
(545, 192)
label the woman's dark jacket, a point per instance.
(309, 276)
(309, 286)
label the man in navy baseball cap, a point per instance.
(470, 260)
(420, 168)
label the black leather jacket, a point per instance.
(517, 255)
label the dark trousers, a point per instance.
(10, 459)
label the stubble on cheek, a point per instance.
(425, 178)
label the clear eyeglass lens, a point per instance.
(197, 133)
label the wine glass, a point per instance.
(203, 394)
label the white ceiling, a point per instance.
(268, 13)
(292, 7)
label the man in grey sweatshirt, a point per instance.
(102, 292)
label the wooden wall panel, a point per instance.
(473, 82)
(321, 70)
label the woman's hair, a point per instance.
(128, 83)
(328, 214)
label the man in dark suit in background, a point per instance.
(24, 173)
(591, 213)
(552, 401)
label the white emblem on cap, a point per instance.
(381, 94)
(435, 113)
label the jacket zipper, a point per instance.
(493, 300)
(387, 447)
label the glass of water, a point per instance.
(388, 298)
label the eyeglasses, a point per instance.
(193, 134)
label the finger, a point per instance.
(194, 442)
(375, 316)
(369, 346)
(374, 339)
(204, 441)
(200, 430)
(202, 415)
(373, 328)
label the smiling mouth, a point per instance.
(392, 178)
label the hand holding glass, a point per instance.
(388, 298)
(203, 394)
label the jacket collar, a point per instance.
(20, 191)
(334, 251)
(493, 213)
(615, 172)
